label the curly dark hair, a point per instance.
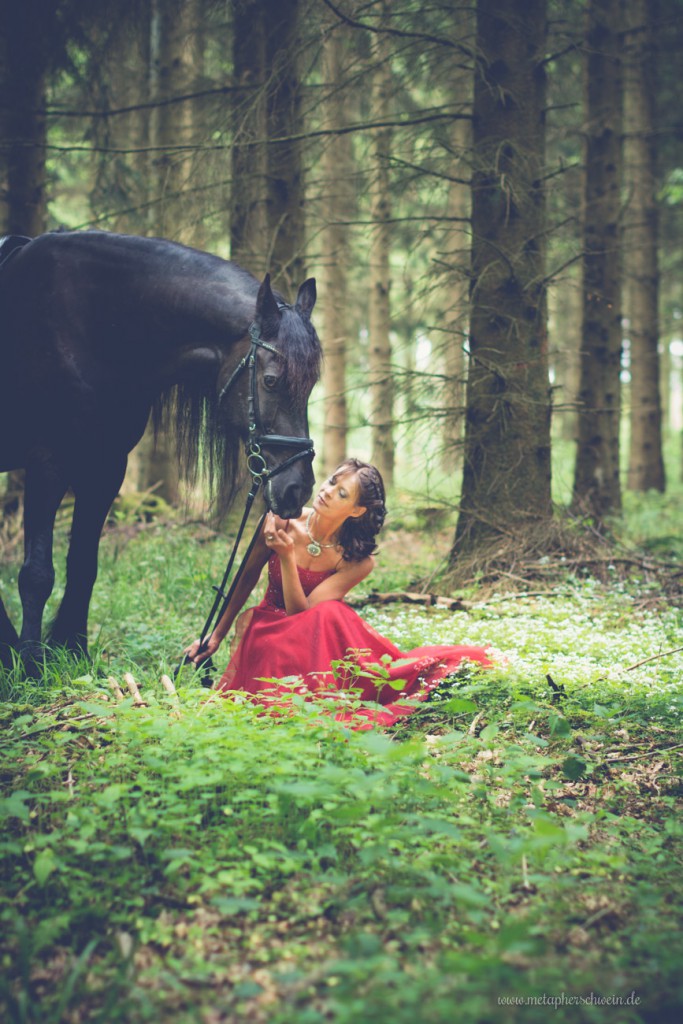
(357, 535)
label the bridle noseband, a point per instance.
(256, 463)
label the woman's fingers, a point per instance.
(269, 528)
(196, 654)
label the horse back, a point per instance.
(11, 244)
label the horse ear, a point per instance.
(266, 306)
(305, 300)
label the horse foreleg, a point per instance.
(9, 638)
(44, 489)
(94, 496)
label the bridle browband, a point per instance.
(256, 463)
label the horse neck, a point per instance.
(203, 324)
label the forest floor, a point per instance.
(511, 852)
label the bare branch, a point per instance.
(220, 147)
(400, 33)
(224, 90)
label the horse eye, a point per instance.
(270, 381)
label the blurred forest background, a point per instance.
(490, 197)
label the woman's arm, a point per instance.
(335, 587)
(245, 585)
(282, 543)
(250, 576)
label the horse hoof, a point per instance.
(8, 657)
(32, 657)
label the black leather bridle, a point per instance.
(258, 439)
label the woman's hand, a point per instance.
(210, 647)
(276, 536)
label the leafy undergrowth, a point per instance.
(513, 846)
(511, 852)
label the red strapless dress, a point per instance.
(271, 646)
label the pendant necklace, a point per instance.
(315, 547)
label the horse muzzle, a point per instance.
(287, 494)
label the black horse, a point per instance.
(96, 331)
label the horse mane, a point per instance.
(203, 444)
(303, 355)
(191, 412)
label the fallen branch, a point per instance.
(474, 723)
(644, 753)
(118, 692)
(653, 657)
(642, 563)
(452, 604)
(168, 685)
(517, 596)
(130, 682)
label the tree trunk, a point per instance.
(173, 62)
(665, 369)
(564, 302)
(174, 28)
(596, 477)
(640, 243)
(248, 229)
(337, 204)
(506, 479)
(24, 30)
(285, 183)
(379, 318)
(452, 295)
(131, 180)
(453, 318)
(23, 76)
(121, 188)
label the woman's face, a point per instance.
(338, 496)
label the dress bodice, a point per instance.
(310, 578)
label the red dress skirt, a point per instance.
(275, 653)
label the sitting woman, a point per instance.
(302, 626)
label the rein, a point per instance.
(260, 475)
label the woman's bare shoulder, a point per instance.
(359, 570)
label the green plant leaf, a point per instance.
(43, 866)
(456, 705)
(574, 767)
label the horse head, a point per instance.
(273, 382)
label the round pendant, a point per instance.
(314, 549)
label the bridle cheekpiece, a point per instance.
(257, 439)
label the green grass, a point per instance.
(513, 845)
(175, 861)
